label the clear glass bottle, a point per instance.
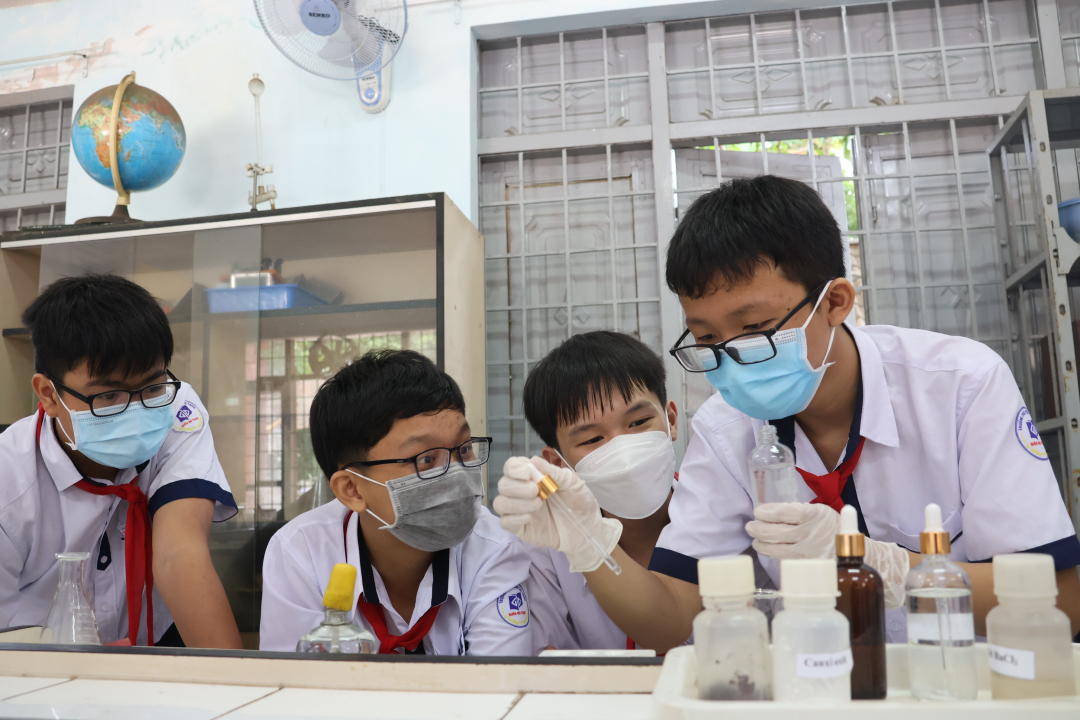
(71, 618)
(731, 636)
(862, 602)
(940, 623)
(772, 467)
(811, 641)
(1030, 643)
(338, 633)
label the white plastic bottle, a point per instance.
(1029, 639)
(940, 623)
(772, 467)
(811, 639)
(731, 636)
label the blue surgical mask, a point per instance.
(119, 441)
(777, 388)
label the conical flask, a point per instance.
(321, 493)
(71, 618)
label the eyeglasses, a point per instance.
(432, 463)
(114, 402)
(745, 349)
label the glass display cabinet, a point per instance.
(1033, 166)
(264, 306)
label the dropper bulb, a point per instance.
(849, 521)
(537, 476)
(933, 518)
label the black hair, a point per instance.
(111, 323)
(586, 369)
(358, 405)
(729, 231)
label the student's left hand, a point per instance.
(794, 530)
(801, 530)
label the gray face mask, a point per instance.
(436, 513)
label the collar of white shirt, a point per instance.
(62, 471)
(878, 424)
(395, 623)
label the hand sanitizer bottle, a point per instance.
(811, 640)
(772, 467)
(1030, 642)
(940, 624)
(862, 602)
(338, 633)
(731, 636)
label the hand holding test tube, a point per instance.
(549, 493)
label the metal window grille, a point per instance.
(886, 109)
(35, 141)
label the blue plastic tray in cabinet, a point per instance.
(259, 297)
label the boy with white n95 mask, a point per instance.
(436, 573)
(598, 402)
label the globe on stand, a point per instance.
(127, 138)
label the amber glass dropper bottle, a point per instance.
(862, 601)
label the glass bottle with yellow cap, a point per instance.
(338, 633)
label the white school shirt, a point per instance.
(566, 613)
(943, 422)
(42, 513)
(486, 610)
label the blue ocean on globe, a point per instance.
(152, 138)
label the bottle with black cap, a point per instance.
(862, 602)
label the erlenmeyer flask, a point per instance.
(321, 493)
(71, 618)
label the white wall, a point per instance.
(200, 55)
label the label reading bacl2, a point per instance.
(1014, 663)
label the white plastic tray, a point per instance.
(676, 694)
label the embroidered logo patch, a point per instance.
(1028, 435)
(514, 607)
(188, 418)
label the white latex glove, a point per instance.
(801, 530)
(523, 513)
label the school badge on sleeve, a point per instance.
(1028, 435)
(514, 607)
(188, 418)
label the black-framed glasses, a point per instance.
(114, 402)
(432, 463)
(745, 349)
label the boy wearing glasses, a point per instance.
(436, 574)
(117, 462)
(882, 418)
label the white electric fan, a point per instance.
(340, 39)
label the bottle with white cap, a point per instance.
(940, 623)
(731, 636)
(1029, 639)
(811, 640)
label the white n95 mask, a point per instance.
(631, 476)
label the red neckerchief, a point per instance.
(138, 546)
(373, 611)
(828, 487)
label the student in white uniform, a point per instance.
(599, 403)
(118, 461)
(882, 418)
(436, 573)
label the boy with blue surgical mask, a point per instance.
(436, 574)
(599, 403)
(882, 418)
(118, 462)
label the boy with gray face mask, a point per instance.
(436, 574)
(599, 403)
